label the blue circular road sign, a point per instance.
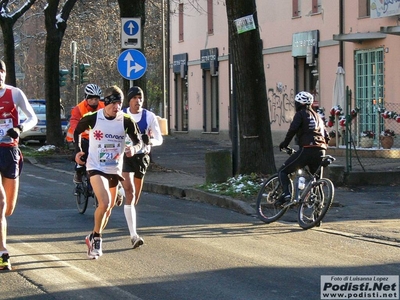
(131, 28)
(132, 64)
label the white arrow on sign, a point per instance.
(136, 67)
(131, 27)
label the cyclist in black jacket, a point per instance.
(312, 138)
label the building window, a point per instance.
(210, 104)
(316, 6)
(210, 17)
(369, 67)
(181, 22)
(363, 8)
(295, 8)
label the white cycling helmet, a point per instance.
(304, 98)
(92, 90)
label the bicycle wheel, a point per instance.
(269, 193)
(316, 203)
(81, 196)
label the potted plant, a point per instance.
(387, 138)
(367, 139)
(332, 136)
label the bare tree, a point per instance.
(98, 44)
(255, 139)
(8, 17)
(56, 24)
(154, 40)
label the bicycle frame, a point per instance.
(319, 173)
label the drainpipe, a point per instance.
(168, 75)
(341, 27)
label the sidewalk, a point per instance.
(362, 212)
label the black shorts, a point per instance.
(113, 179)
(11, 162)
(137, 164)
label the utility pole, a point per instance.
(164, 64)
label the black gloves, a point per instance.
(327, 139)
(145, 139)
(83, 158)
(14, 132)
(282, 145)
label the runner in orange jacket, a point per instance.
(91, 103)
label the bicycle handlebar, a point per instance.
(288, 150)
(326, 160)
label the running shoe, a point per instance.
(5, 263)
(137, 242)
(283, 200)
(94, 246)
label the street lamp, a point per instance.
(74, 49)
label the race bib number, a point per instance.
(5, 124)
(109, 154)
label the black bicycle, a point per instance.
(82, 193)
(313, 198)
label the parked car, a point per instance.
(38, 132)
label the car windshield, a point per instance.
(39, 109)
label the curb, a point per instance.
(200, 196)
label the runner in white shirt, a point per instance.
(135, 167)
(108, 128)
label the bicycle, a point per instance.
(313, 198)
(82, 193)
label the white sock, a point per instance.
(130, 216)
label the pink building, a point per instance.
(304, 40)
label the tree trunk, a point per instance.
(55, 33)
(249, 86)
(9, 51)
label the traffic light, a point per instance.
(83, 73)
(63, 76)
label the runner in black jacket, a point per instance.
(312, 138)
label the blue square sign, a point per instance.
(131, 36)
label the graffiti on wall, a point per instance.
(281, 104)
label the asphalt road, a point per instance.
(192, 251)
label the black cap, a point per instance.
(133, 91)
(2, 65)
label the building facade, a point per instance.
(304, 41)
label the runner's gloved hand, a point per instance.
(282, 146)
(145, 139)
(14, 132)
